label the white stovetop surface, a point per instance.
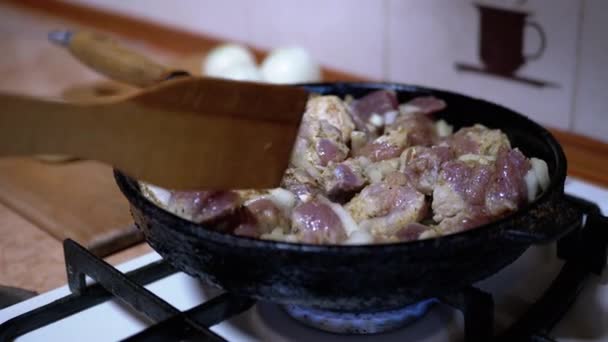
(514, 288)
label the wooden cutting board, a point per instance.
(77, 200)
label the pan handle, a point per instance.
(593, 235)
(111, 59)
(547, 225)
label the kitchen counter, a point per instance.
(30, 257)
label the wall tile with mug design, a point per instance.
(518, 53)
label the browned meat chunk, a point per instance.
(508, 190)
(414, 231)
(261, 216)
(324, 134)
(330, 151)
(385, 207)
(470, 193)
(419, 128)
(377, 102)
(341, 181)
(370, 171)
(203, 206)
(300, 183)
(378, 171)
(478, 140)
(422, 165)
(459, 194)
(424, 105)
(318, 143)
(388, 146)
(358, 140)
(332, 110)
(316, 222)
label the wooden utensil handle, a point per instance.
(154, 142)
(115, 61)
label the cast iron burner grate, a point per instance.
(584, 249)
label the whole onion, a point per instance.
(226, 58)
(290, 65)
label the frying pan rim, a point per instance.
(131, 190)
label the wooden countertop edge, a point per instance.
(161, 36)
(587, 157)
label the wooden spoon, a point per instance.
(188, 133)
(106, 56)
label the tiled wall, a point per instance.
(422, 42)
(591, 100)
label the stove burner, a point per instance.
(359, 323)
(584, 250)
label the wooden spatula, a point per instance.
(189, 133)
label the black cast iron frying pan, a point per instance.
(370, 277)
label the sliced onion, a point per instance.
(443, 128)
(277, 234)
(156, 194)
(531, 184)
(428, 234)
(359, 237)
(358, 139)
(542, 172)
(390, 117)
(406, 109)
(481, 159)
(349, 99)
(258, 196)
(305, 197)
(378, 170)
(284, 199)
(376, 120)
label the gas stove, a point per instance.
(540, 297)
